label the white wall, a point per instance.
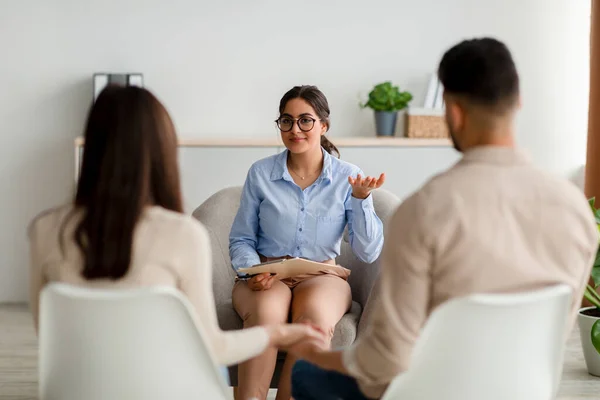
(221, 67)
(406, 167)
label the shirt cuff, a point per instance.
(364, 204)
(363, 212)
(242, 345)
(246, 262)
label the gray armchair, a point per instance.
(217, 214)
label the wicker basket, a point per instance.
(422, 123)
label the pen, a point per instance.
(248, 277)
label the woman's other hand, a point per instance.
(261, 282)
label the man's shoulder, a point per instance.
(460, 184)
(556, 190)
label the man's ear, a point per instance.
(455, 112)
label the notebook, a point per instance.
(288, 268)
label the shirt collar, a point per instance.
(280, 169)
(496, 155)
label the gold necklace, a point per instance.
(298, 175)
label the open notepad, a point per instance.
(288, 268)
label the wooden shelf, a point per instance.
(358, 141)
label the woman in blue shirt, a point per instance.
(297, 204)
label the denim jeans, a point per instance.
(310, 382)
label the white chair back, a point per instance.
(125, 344)
(490, 346)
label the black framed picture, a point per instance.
(101, 80)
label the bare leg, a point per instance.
(259, 308)
(322, 300)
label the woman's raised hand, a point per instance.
(362, 187)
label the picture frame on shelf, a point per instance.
(102, 79)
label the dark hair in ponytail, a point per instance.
(317, 100)
(329, 147)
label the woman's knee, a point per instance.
(322, 302)
(327, 326)
(262, 308)
(265, 316)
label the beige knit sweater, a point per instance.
(169, 249)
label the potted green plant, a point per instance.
(386, 100)
(589, 317)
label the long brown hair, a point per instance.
(317, 100)
(129, 162)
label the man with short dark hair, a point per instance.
(480, 82)
(492, 223)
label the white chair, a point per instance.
(492, 347)
(126, 344)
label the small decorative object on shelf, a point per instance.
(386, 100)
(101, 80)
(426, 123)
(435, 94)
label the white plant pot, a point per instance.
(592, 357)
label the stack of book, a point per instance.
(434, 99)
(428, 122)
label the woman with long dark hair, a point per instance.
(125, 227)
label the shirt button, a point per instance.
(300, 229)
(298, 247)
(302, 209)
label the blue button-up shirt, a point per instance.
(276, 218)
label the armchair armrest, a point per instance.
(364, 277)
(361, 279)
(368, 308)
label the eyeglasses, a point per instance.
(286, 124)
